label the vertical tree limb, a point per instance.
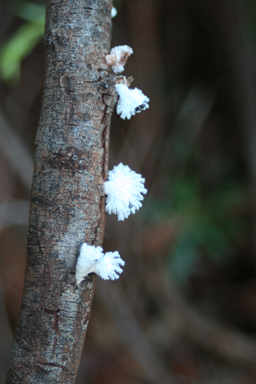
(67, 202)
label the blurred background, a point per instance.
(184, 310)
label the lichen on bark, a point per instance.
(67, 198)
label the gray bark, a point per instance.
(67, 198)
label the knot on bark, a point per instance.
(71, 159)
(66, 85)
(54, 38)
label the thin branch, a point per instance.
(67, 207)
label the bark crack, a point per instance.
(55, 324)
(44, 366)
(103, 139)
(103, 169)
(91, 9)
(99, 222)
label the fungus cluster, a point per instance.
(124, 188)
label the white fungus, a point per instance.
(113, 12)
(124, 190)
(130, 101)
(93, 260)
(118, 57)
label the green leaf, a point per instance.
(17, 47)
(208, 224)
(30, 11)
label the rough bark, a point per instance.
(67, 202)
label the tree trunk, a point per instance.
(67, 199)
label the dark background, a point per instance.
(185, 305)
